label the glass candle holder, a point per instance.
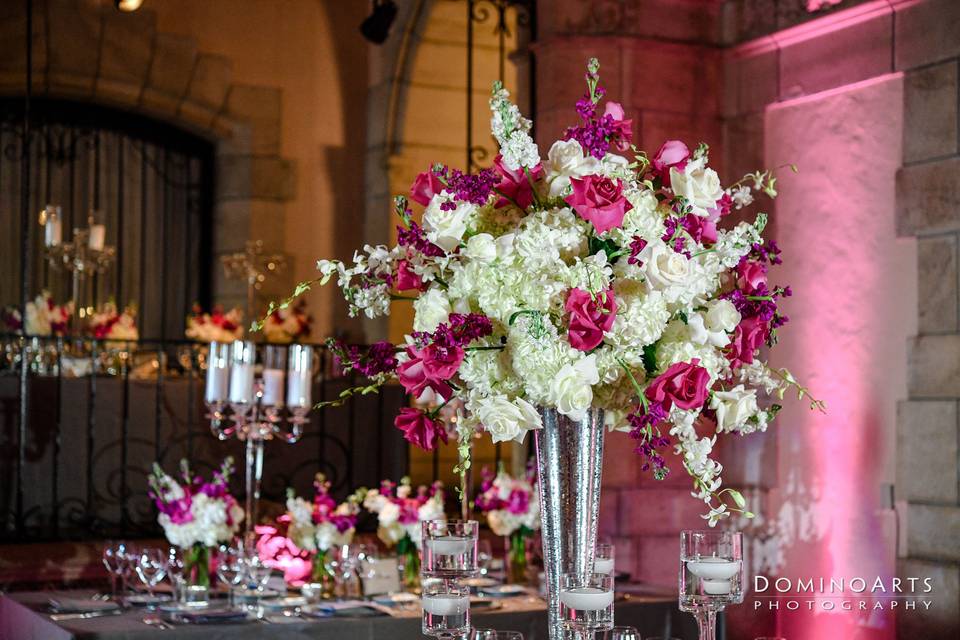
(711, 575)
(218, 374)
(300, 377)
(243, 356)
(274, 363)
(586, 602)
(603, 559)
(446, 609)
(449, 548)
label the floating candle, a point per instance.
(603, 565)
(713, 568)
(449, 545)
(587, 598)
(716, 587)
(445, 604)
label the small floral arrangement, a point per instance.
(194, 512)
(511, 504)
(44, 317)
(595, 278)
(216, 326)
(288, 325)
(108, 324)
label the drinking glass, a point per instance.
(484, 557)
(256, 573)
(493, 634)
(345, 564)
(230, 569)
(603, 559)
(446, 609)
(175, 568)
(586, 602)
(711, 575)
(450, 548)
(114, 559)
(625, 633)
(151, 568)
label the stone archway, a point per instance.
(86, 50)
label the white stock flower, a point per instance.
(566, 160)
(505, 420)
(430, 309)
(734, 407)
(698, 184)
(572, 389)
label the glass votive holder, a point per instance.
(449, 548)
(711, 569)
(603, 559)
(586, 602)
(312, 591)
(195, 595)
(446, 609)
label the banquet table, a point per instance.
(24, 616)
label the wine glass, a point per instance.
(114, 559)
(230, 569)
(711, 575)
(586, 602)
(151, 568)
(484, 557)
(175, 569)
(345, 565)
(493, 634)
(256, 573)
(625, 633)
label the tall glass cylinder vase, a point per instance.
(569, 460)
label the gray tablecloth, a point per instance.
(23, 617)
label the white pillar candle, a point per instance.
(603, 565)
(587, 598)
(217, 379)
(445, 604)
(98, 236)
(53, 232)
(299, 391)
(241, 383)
(272, 387)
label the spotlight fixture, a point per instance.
(376, 27)
(128, 5)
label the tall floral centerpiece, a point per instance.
(196, 515)
(598, 285)
(512, 507)
(44, 317)
(288, 325)
(400, 509)
(318, 526)
(109, 323)
(216, 326)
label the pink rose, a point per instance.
(590, 316)
(425, 187)
(599, 200)
(406, 278)
(750, 275)
(420, 429)
(700, 229)
(672, 154)
(749, 336)
(430, 367)
(519, 502)
(684, 384)
(622, 128)
(514, 185)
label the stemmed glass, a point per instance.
(711, 575)
(345, 565)
(151, 568)
(230, 569)
(256, 573)
(484, 557)
(175, 569)
(115, 560)
(493, 634)
(625, 633)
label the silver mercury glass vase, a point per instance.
(569, 461)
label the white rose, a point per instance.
(446, 228)
(665, 269)
(572, 389)
(430, 309)
(481, 248)
(505, 420)
(566, 160)
(721, 316)
(734, 407)
(701, 334)
(698, 184)
(389, 514)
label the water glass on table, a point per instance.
(256, 572)
(115, 560)
(446, 609)
(711, 575)
(151, 568)
(493, 634)
(586, 602)
(625, 633)
(449, 548)
(230, 570)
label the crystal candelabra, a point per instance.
(86, 254)
(254, 410)
(253, 266)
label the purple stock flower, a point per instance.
(469, 187)
(637, 245)
(415, 238)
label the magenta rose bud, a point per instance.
(622, 128)
(420, 429)
(425, 187)
(514, 185)
(430, 367)
(599, 200)
(672, 154)
(406, 278)
(750, 275)
(749, 336)
(684, 384)
(590, 316)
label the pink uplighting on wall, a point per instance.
(835, 224)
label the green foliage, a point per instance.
(650, 359)
(608, 246)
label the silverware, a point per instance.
(157, 621)
(57, 617)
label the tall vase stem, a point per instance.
(707, 623)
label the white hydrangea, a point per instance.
(641, 318)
